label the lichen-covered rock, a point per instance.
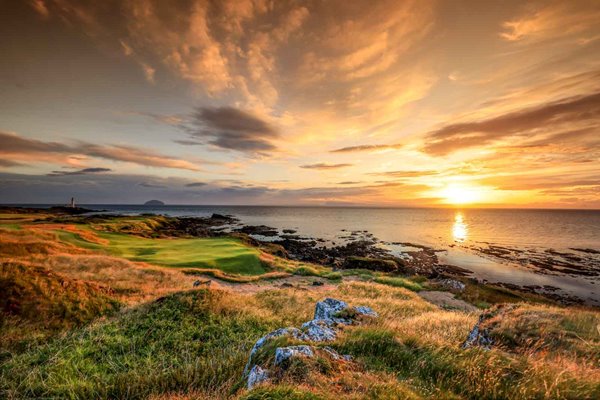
(291, 332)
(283, 354)
(335, 355)
(318, 330)
(257, 376)
(478, 337)
(329, 308)
(330, 314)
(452, 284)
(364, 310)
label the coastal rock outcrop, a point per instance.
(329, 317)
(373, 264)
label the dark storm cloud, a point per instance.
(17, 148)
(366, 147)
(80, 171)
(582, 109)
(233, 129)
(325, 166)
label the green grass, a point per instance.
(399, 282)
(226, 254)
(183, 342)
(280, 393)
(474, 374)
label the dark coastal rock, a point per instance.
(224, 218)
(289, 231)
(69, 210)
(262, 230)
(372, 264)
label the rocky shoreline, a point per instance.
(360, 250)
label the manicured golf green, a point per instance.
(226, 254)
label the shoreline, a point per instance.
(362, 249)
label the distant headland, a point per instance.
(154, 203)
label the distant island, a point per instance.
(154, 203)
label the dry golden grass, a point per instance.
(87, 235)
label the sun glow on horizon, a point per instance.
(458, 193)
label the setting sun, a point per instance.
(461, 194)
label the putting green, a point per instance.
(226, 254)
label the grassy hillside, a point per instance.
(87, 313)
(196, 343)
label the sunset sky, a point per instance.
(384, 103)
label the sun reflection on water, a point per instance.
(460, 229)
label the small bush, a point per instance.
(307, 271)
(333, 276)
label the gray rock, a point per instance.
(335, 355)
(283, 354)
(319, 330)
(452, 284)
(478, 337)
(364, 310)
(291, 331)
(328, 308)
(257, 376)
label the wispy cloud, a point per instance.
(19, 148)
(366, 147)
(84, 171)
(196, 184)
(577, 111)
(325, 166)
